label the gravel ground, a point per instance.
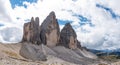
(9, 55)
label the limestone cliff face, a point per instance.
(40, 41)
(68, 37)
(31, 31)
(50, 30)
(49, 33)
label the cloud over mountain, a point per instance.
(96, 22)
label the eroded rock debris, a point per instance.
(40, 41)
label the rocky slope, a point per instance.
(46, 45)
(41, 41)
(9, 55)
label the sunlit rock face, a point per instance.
(31, 31)
(41, 41)
(49, 30)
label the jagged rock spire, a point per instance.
(50, 30)
(31, 31)
(35, 39)
(68, 37)
(49, 33)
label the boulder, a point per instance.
(31, 31)
(50, 31)
(68, 37)
(32, 52)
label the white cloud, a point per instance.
(3, 13)
(64, 9)
(10, 34)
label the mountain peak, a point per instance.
(40, 41)
(52, 13)
(68, 37)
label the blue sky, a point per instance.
(96, 23)
(109, 10)
(1, 24)
(15, 3)
(83, 20)
(20, 3)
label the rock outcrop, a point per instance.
(79, 45)
(41, 41)
(32, 52)
(31, 31)
(50, 31)
(68, 37)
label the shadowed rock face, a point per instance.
(50, 30)
(40, 41)
(31, 31)
(68, 37)
(33, 52)
(79, 45)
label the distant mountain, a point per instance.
(106, 52)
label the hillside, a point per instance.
(9, 55)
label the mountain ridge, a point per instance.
(41, 41)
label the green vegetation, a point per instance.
(111, 58)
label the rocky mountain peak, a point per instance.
(31, 31)
(68, 37)
(37, 19)
(41, 41)
(69, 29)
(52, 14)
(50, 28)
(32, 19)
